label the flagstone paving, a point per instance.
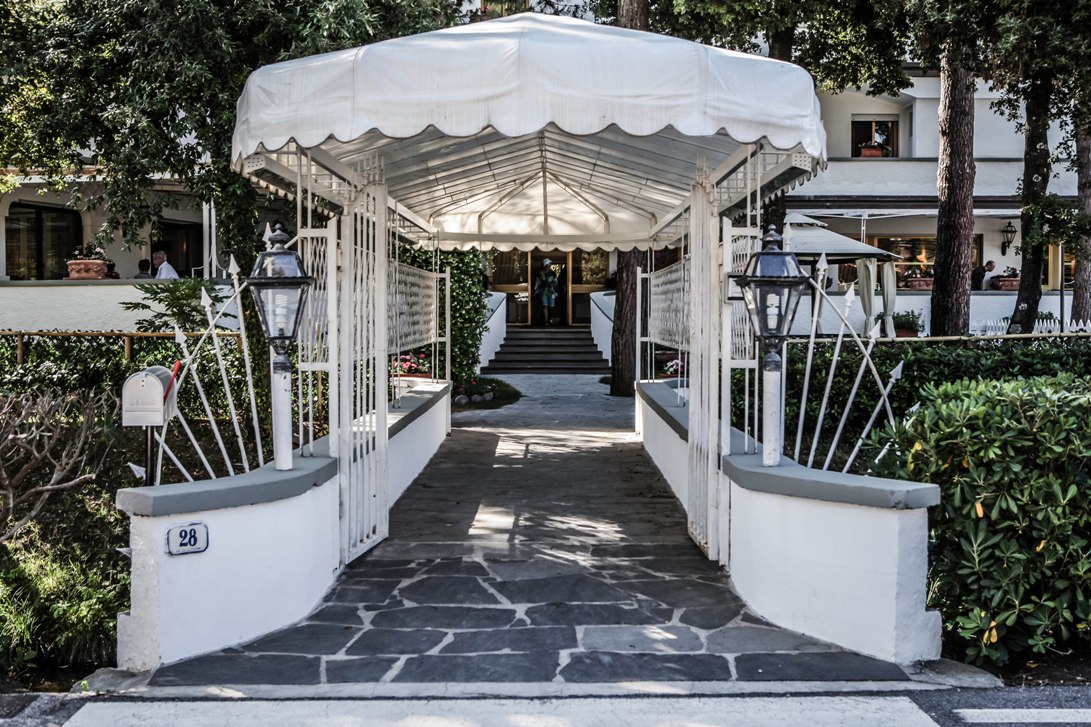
(541, 544)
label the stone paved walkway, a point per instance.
(540, 545)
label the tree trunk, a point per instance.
(1036, 171)
(631, 14)
(781, 47)
(955, 184)
(623, 341)
(1081, 285)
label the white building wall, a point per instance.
(995, 137)
(75, 305)
(837, 112)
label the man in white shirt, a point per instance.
(163, 269)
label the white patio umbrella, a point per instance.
(865, 278)
(890, 290)
(809, 239)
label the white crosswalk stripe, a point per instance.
(1025, 716)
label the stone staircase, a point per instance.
(551, 350)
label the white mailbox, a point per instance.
(147, 398)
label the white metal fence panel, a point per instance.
(362, 330)
(1001, 326)
(668, 307)
(414, 308)
(317, 349)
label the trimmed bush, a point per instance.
(926, 362)
(1010, 561)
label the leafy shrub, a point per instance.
(175, 303)
(926, 362)
(62, 581)
(1010, 562)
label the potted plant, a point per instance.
(870, 149)
(1007, 280)
(918, 279)
(88, 263)
(907, 324)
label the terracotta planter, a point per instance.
(1000, 283)
(868, 152)
(86, 269)
(918, 283)
(905, 333)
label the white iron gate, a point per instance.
(684, 314)
(362, 370)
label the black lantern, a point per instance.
(279, 284)
(772, 286)
(1007, 235)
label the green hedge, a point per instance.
(926, 362)
(1010, 561)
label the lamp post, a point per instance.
(772, 286)
(1007, 237)
(279, 285)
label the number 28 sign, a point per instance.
(189, 538)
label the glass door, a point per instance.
(588, 275)
(509, 273)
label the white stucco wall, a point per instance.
(411, 448)
(496, 328)
(266, 566)
(995, 137)
(917, 177)
(77, 305)
(602, 321)
(837, 113)
(668, 450)
(851, 575)
(985, 307)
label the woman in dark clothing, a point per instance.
(545, 289)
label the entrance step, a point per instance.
(548, 350)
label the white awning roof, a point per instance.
(531, 125)
(808, 242)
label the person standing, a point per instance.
(977, 277)
(163, 269)
(545, 289)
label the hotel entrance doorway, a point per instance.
(581, 272)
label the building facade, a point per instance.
(880, 185)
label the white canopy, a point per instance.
(571, 133)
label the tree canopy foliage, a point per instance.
(129, 91)
(854, 44)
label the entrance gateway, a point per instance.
(566, 139)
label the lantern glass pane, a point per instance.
(280, 306)
(278, 264)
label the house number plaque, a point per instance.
(186, 539)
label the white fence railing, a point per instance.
(999, 327)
